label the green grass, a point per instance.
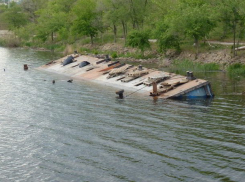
(203, 47)
(187, 65)
(236, 69)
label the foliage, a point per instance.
(236, 69)
(15, 17)
(232, 15)
(114, 55)
(85, 19)
(191, 18)
(140, 40)
(186, 65)
(173, 23)
(166, 40)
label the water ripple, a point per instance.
(80, 132)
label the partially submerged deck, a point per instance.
(128, 77)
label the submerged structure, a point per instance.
(134, 78)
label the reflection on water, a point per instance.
(196, 101)
(81, 132)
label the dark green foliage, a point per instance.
(168, 41)
(114, 55)
(139, 39)
(15, 17)
(236, 69)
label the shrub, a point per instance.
(236, 69)
(139, 39)
(114, 55)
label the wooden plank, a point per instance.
(113, 63)
(174, 81)
(101, 61)
(109, 68)
(185, 88)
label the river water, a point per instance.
(79, 132)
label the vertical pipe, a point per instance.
(154, 84)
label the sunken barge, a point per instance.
(134, 78)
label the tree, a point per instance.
(192, 18)
(139, 39)
(117, 12)
(85, 16)
(165, 38)
(54, 20)
(51, 20)
(232, 14)
(15, 17)
(30, 7)
(110, 16)
(138, 10)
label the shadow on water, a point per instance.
(190, 101)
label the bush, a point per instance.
(236, 69)
(139, 39)
(114, 55)
(167, 42)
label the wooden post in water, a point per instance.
(120, 94)
(154, 91)
(25, 67)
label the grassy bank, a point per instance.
(236, 69)
(187, 65)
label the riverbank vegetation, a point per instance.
(236, 69)
(68, 25)
(184, 65)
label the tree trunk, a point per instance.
(102, 37)
(52, 36)
(146, 1)
(115, 33)
(124, 30)
(197, 47)
(92, 40)
(234, 39)
(134, 17)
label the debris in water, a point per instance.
(120, 93)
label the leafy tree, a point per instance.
(110, 16)
(232, 14)
(85, 15)
(139, 39)
(138, 10)
(54, 19)
(166, 40)
(50, 21)
(3, 24)
(15, 17)
(192, 18)
(117, 12)
(30, 7)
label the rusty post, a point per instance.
(25, 67)
(120, 94)
(154, 84)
